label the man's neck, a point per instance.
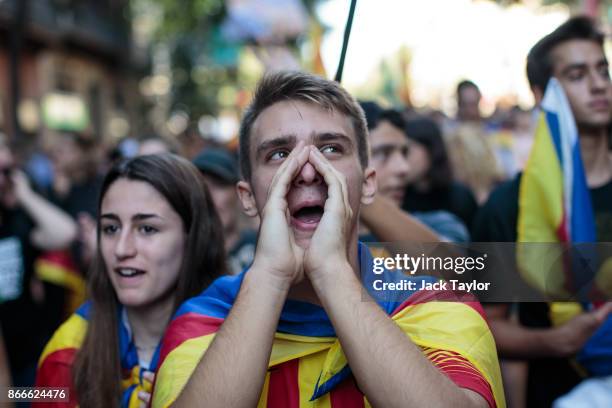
(596, 157)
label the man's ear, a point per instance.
(246, 198)
(368, 186)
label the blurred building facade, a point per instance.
(67, 65)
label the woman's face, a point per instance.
(419, 160)
(142, 241)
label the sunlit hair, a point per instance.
(97, 370)
(539, 62)
(300, 86)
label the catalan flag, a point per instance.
(56, 362)
(554, 199)
(307, 362)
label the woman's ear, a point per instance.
(247, 198)
(368, 186)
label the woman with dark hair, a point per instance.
(431, 185)
(159, 242)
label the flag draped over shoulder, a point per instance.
(307, 362)
(555, 211)
(56, 362)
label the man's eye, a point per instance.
(109, 229)
(330, 149)
(278, 155)
(575, 75)
(604, 72)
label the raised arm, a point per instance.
(240, 352)
(391, 224)
(54, 228)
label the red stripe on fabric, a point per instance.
(424, 296)
(187, 326)
(346, 395)
(461, 372)
(56, 371)
(63, 355)
(283, 387)
(562, 230)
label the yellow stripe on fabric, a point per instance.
(289, 347)
(134, 402)
(263, 400)
(541, 189)
(309, 369)
(540, 214)
(176, 369)
(455, 327)
(69, 335)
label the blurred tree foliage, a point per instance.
(202, 62)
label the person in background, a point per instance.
(471, 150)
(159, 243)
(29, 309)
(219, 168)
(468, 102)
(430, 180)
(573, 53)
(390, 157)
(76, 181)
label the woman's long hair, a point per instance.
(427, 133)
(97, 371)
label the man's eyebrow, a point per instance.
(572, 67)
(332, 137)
(388, 146)
(285, 140)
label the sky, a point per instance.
(449, 40)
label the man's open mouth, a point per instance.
(310, 214)
(307, 216)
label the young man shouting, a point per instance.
(297, 328)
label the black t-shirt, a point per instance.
(457, 199)
(20, 316)
(496, 221)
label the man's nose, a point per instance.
(598, 82)
(307, 176)
(400, 164)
